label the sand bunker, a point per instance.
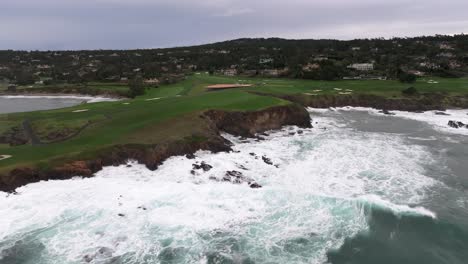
(4, 157)
(227, 86)
(153, 99)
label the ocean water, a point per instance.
(359, 187)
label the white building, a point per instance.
(362, 66)
(230, 72)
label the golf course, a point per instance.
(172, 113)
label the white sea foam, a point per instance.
(433, 118)
(313, 196)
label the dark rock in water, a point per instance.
(190, 156)
(300, 132)
(240, 166)
(203, 165)
(121, 215)
(252, 154)
(452, 124)
(142, 208)
(192, 172)
(255, 185)
(267, 160)
(441, 113)
(292, 133)
(234, 177)
(457, 124)
(386, 112)
(237, 177)
(129, 166)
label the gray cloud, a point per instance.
(121, 24)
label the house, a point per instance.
(274, 72)
(362, 66)
(321, 58)
(310, 67)
(265, 60)
(230, 72)
(123, 79)
(454, 64)
(417, 73)
(43, 67)
(446, 55)
(151, 82)
(445, 46)
(429, 65)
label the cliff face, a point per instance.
(245, 124)
(416, 103)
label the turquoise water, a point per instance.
(357, 188)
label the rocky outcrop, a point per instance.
(237, 123)
(457, 124)
(236, 177)
(247, 124)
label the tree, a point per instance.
(24, 77)
(406, 77)
(136, 86)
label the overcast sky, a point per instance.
(123, 24)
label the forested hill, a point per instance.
(445, 56)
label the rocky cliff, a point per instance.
(424, 102)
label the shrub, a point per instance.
(409, 91)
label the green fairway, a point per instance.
(171, 112)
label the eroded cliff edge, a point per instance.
(245, 124)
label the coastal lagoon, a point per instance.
(359, 187)
(19, 103)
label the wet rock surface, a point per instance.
(386, 112)
(236, 177)
(267, 160)
(202, 166)
(457, 124)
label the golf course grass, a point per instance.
(172, 112)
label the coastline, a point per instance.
(243, 124)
